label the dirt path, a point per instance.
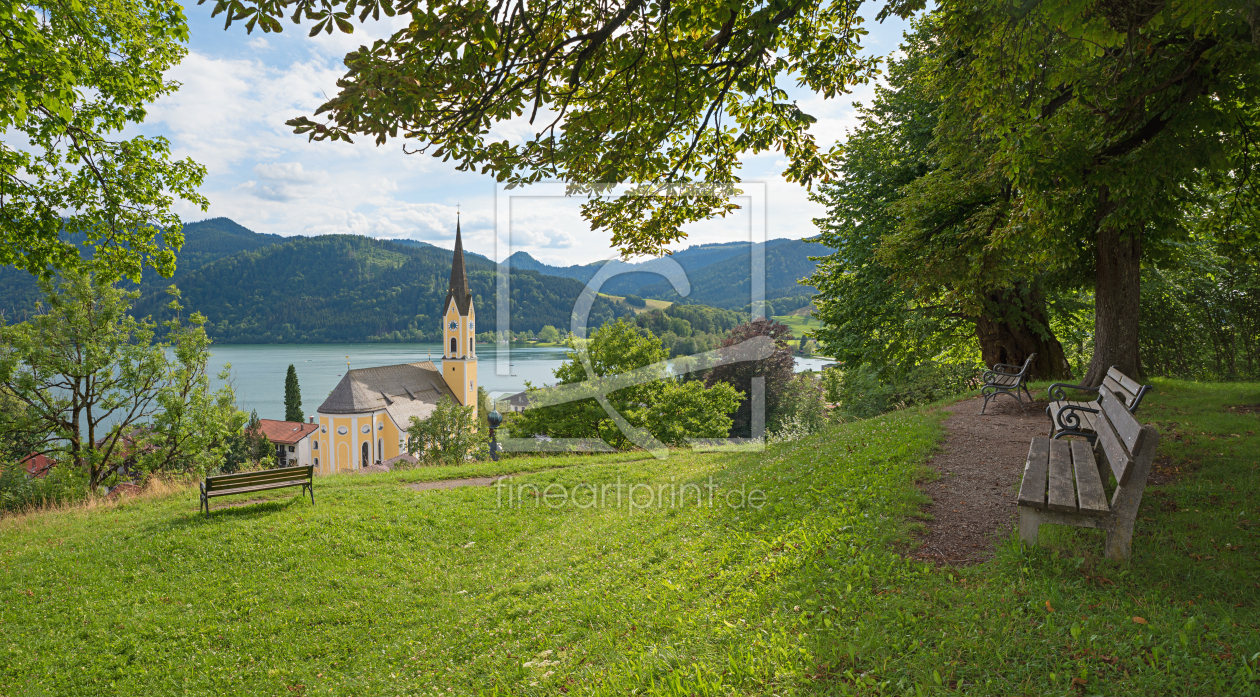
(981, 464)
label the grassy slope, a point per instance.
(649, 303)
(799, 324)
(377, 589)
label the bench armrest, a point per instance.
(1068, 418)
(1056, 393)
(1017, 368)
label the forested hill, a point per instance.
(727, 283)
(205, 241)
(691, 259)
(336, 288)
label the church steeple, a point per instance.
(459, 278)
(459, 334)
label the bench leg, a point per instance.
(1029, 521)
(1120, 541)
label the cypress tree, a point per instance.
(292, 396)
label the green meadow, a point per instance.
(378, 589)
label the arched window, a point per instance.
(470, 345)
(366, 454)
(454, 346)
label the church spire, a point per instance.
(459, 278)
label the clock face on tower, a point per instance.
(454, 324)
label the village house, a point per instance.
(293, 442)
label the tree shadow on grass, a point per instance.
(234, 512)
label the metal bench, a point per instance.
(1074, 418)
(998, 380)
(1064, 479)
(262, 480)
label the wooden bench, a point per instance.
(999, 380)
(262, 480)
(1069, 418)
(1064, 479)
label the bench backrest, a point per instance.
(273, 476)
(1123, 440)
(1125, 388)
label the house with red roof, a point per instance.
(37, 466)
(293, 442)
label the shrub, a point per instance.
(635, 301)
(860, 393)
(802, 408)
(61, 485)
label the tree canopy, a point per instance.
(650, 93)
(72, 77)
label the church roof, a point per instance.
(459, 278)
(404, 390)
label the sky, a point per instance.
(237, 90)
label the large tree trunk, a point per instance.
(1017, 327)
(1117, 302)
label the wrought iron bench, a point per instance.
(1074, 418)
(999, 380)
(1064, 479)
(262, 480)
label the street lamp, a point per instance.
(494, 419)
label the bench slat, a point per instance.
(247, 478)
(1130, 385)
(1126, 426)
(1117, 387)
(261, 474)
(257, 487)
(245, 481)
(1117, 458)
(1062, 494)
(1032, 491)
(1091, 495)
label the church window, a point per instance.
(454, 347)
(380, 426)
(366, 428)
(315, 445)
(342, 430)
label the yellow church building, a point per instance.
(365, 418)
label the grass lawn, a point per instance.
(381, 590)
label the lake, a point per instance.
(258, 370)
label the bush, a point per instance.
(802, 408)
(860, 393)
(448, 436)
(61, 485)
(635, 301)
(671, 410)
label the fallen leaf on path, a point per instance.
(1139, 620)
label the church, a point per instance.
(365, 418)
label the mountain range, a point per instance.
(261, 288)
